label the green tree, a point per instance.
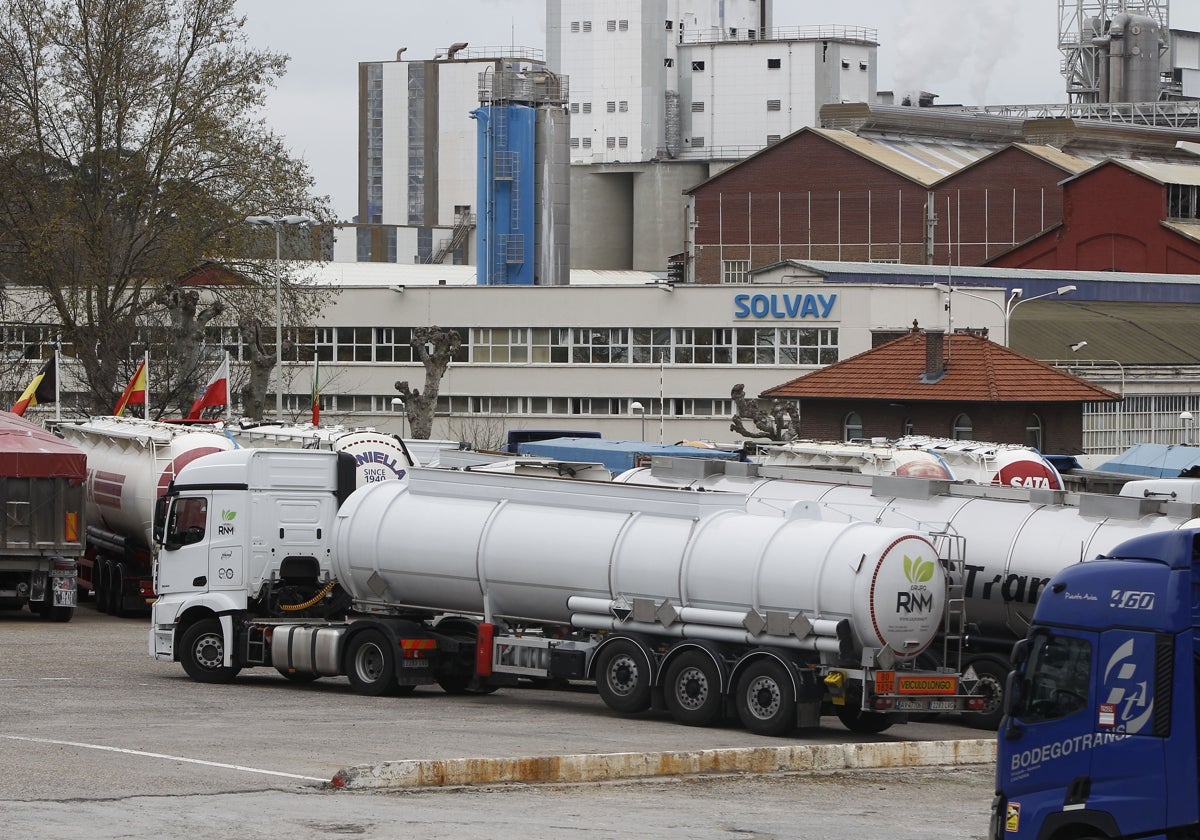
(132, 149)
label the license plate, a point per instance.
(414, 663)
(925, 705)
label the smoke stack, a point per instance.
(935, 364)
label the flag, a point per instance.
(135, 391)
(216, 392)
(316, 393)
(41, 388)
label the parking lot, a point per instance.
(87, 716)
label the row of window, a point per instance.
(609, 142)
(613, 107)
(962, 428)
(611, 26)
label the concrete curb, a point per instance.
(566, 769)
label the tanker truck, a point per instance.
(130, 463)
(473, 580)
(41, 490)
(1014, 539)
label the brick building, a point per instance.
(959, 386)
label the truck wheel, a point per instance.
(992, 677)
(117, 592)
(692, 689)
(203, 653)
(299, 677)
(765, 700)
(371, 664)
(100, 570)
(49, 612)
(623, 677)
(865, 723)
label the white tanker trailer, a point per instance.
(473, 580)
(130, 462)
(377, 456)
(1013, 540)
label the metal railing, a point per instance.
(832, 32)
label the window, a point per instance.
(574, 107)
(612, 107)
(668, 62)
(610, 142)
(1056, 678)
(697, 107)
(669, 25)
(623, 106)
(906, 428)
(354, 344)
(733, 32)
(852, 426)
(623, 25)
(187, 521)
(964, 429)
(862, 65)
(772, 138)
(1033, 432)
(612, 26)
(845, 64)
(735, 271)
(574, 142)
(587, 142)
(697, 142)
(392, 344)
(1182, 201)
(587, 107)
(697, 65)
(773, 105)
(574, 26)
(587, 26)
(623, 142)
(774, 63)
(751, 34)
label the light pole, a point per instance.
(1075, 348)
(637, 408)
(398, 405)
(1013, 300)
(1185, 417)
(278, 222)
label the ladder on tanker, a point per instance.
(952, 551)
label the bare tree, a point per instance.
(780, 422)
(436, 348)
(131, 148)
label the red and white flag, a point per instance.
(216, 392)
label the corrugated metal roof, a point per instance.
(924, 161)
(1059, 158)
(1164, 173)
(1130, 333)
(374, 274)
(834, 270)
(1189, 229)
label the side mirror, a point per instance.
(1014, 688)
(1020, 653)
(160, 518)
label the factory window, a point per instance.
(774, 63)
(670, 25)
(697, 142)
(697, 107)
(852, 426)
(574, 26)
(756, 346)
(587, 107)
(500, 345)
(963, 429)
(623, 25)
(704, 346)
(808, 346)
(774, 105)
(612, 107)
(600, 345)
(354, 344)
(733, 32)
(845, 64)
(574, 107)
(735, 271)
(668, 62)
(611, 142)
(751, 34)
(697, 65)
(623, 106)
(574, 142)
(1033, 431)
(623, 142)
(587, 142)
(862, 65)
(772, 138)
(1182, 201)
(587, 26)
(612, 26)
(392, 344)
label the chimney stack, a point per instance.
(935, 359)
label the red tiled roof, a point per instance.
(977, 370)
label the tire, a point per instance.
(766, 702)
(117, 598)
(299, 677)
(992, 678)
(692, 689)
(371, 664)
(623, 677)
(202, 652)
(48, 612)
(864, 723)
(100, 583)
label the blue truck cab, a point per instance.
(1099, 738)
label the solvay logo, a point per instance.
(226, 527)
(918, 598)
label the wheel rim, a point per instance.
(691, 688)
(209, 652)
(991, 692)
(763, 697)
(622, 675)
(368, 663)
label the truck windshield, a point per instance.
(1056, 678)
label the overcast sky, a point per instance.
(966, 51)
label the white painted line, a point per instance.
(167, 757)
(55, 679)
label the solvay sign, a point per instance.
(781, 305)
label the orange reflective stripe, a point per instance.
(418, 644)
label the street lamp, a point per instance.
(637, 408)
(398, 405)
(1013, 300)
(1185, 417)
(1079, 345)
(278, 222)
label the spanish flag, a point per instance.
(41, 389)
(135, 391)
